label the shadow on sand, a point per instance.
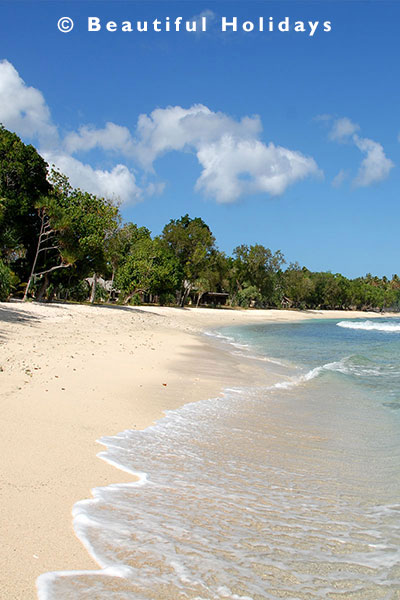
(14, 313)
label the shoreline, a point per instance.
(72, 374)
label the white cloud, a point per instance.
(177, 128)
(339, 178)
(22, 108)
(342, 129)
(210, 17)
(111, 137)
(155, 189)
(375, 166)
(118, 184)
(234, 161)
(234, 167)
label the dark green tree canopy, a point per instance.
(53, 237)
(192, 243)
(256, 267)
(90, 223)
(23, 180)
(147, 267)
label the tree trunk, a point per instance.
(94, 285)
(112, 286)
(199, 297)
(183, 299)
(130, 296)
(28, 285)
(43, 288)
(186, 292)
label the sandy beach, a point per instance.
(71, 374)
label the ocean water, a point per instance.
(289, 490)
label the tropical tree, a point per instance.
(256, 267)
(148, 268)
(92, 222)
(298, 286)
(191, 242)
(214, 277)
(23, 181)
(51, 251)
(120, 244)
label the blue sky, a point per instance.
(279, 138)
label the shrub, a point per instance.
(101, 294)
(167, 299)
(249, 296)
(135, 300)
(7, 280)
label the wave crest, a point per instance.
(370, 326)
(356, 366)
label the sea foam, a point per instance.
(260, 493)
(371, 326)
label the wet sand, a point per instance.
(70, 374)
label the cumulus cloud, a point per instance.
(233, 167)
(118, 184)
(177, 128)
(111, 137)
(23, 109)
(155, 189)
(374, 167)
(235, 162)
(233, 159)
(342, 129)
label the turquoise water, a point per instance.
(287, 490)
(364, 353)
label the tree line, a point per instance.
(60, 242)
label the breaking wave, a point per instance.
(371, 326)
(261, 492)
(356, 366)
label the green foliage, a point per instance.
(101, 294)
(192, 243)
(214, 276)
(167, 299)
(78, 292)
(7, 280)
(149, 267)
(86, 224)
(257, 267)
(303, 289)
(249, 297)
(121, 244)
(23, 180)
(135, 300)
(46, 225)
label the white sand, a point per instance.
(70, 374)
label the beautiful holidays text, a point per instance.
(200, 24)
